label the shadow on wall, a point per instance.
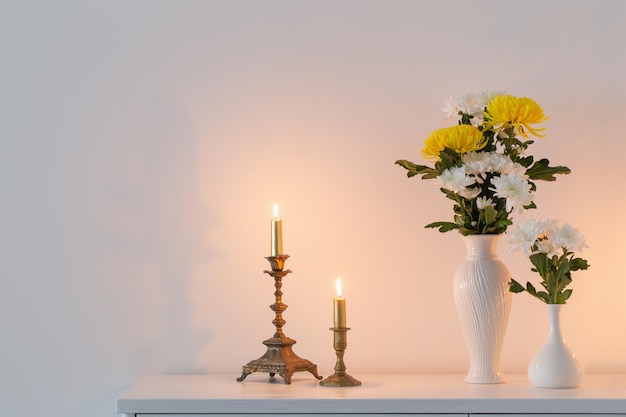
(158, 239)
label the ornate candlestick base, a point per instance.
(279, 358)
(340, 378)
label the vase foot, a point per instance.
(492, 378)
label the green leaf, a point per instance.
(565, 296)
(490, 215)
(532, 205)
(406, 164)
(578, 263)
(540, 261)
(563, 282)
(414, 169)
(525, 162)
(448, 159)
(541, 170)
(466, 119)
(563, 267)
(531, 289)
(515, 287)
(449, 194)
(541, 295)
(443, 226)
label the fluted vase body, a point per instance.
(483, 301)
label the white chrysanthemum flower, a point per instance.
(484, 202)
(469, 103)
(455, 179)
(476, 163)
(526, 234)
(497, 161)
(463, 103)
(515, 189)
(567, 237)
(502, 164)
(470, 193)
(547, 246)
(510, 167)
(487, 96)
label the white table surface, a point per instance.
(384, 393)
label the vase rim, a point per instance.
(482, 236)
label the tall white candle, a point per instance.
(339, 308)
(277, 234)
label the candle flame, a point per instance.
(339, 294)
(275, 210)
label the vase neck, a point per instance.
(554, 317)
(481, 246)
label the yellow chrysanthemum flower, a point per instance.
(460, 138)
(506, 110)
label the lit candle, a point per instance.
(277, 234)
(339, 308)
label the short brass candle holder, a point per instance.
(279, 358)
(340, 378)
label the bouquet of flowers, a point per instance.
(550, 249)
(480, 163)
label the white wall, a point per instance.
(143, 144)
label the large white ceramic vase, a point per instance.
(483, 301)
(555, 365)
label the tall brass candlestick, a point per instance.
(279, 358)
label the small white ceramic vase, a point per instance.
(555, 365)
(483, 301)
